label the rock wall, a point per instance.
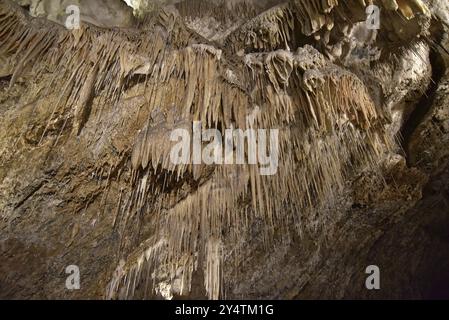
(104, 13)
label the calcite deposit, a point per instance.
(87, 178)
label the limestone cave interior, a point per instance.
(357, 92)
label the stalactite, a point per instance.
(301, 94)
(325, 116)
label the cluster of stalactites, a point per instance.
(275, 28)
(87, 63)
(325, 117)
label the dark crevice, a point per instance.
(6, 78)
(425, 103)
(26, 7)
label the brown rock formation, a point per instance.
(86, 176)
